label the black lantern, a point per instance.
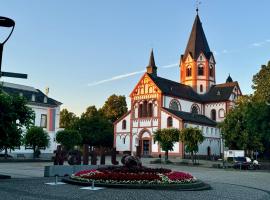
(8, 23)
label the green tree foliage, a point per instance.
(14, 115)
(91, 111)
(68, 138)
(261, 84)
(247, 126)
(115, 107)
(37, 138)
(95, 130)
(67, 119)
(166, 138)
(191, 137)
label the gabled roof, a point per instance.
(27, 92)
(191, 117)
(220, 92)
(216, 93)
(176, 89)
(197, 42)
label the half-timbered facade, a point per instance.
(195, 101)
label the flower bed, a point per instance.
(134, 175)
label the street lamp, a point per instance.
(8, 23)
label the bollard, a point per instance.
(93, 185)
(56, 179)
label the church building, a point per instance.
(195, 101)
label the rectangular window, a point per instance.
(43, 121)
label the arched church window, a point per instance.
(188, 72)
(200, 70)
(124, 124)
(195, 109)
(174, 105)
(140, 110)
(201, 88)
(150, 110)
(144, 113)
(211, 71)
(213, 114)
(169, 122)
(221, 113)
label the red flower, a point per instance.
(178, 176)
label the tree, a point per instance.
(191, 137)
(114, 107)
(261, 84)
(67, 119)
(37, 138)
(68, 138)
(91, 111)
(95, 129)
(166, 138)
(14, 115)
(247, 125)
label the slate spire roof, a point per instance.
(152, 68)
(152, 59)
(229, 79)
(197, 42)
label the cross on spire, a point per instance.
(197, 6)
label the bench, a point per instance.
(20, 155)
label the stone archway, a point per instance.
(145, 142)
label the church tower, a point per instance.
(197, 64)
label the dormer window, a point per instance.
(45, 99)
(33, 97)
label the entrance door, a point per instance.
(146, 144)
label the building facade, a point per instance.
(195, 101)
(47, 115)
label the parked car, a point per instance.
(242, 163)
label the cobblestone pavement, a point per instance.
(226, 184)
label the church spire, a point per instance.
(229, 79)
(197, 42)
(152, 68)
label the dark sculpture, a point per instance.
(131, 161)
(60, 156)
(75, 157)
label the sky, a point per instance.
(87, 50)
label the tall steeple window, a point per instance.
(188, 73)
(200, 70)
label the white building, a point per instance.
(47, 115)
(195, 101)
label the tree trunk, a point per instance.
(166, 155)
(6, 153)
(192, 157)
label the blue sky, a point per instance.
(68, 45)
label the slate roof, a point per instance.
(27, 92)
(216, 93)
(197, 42)
(220, 92)
(191, 117)
(176, 89)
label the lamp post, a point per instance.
(8, 23)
